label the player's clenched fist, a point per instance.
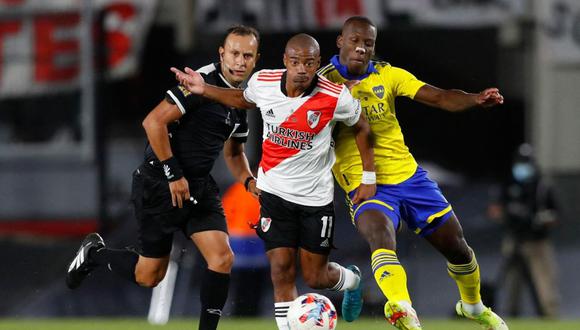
(489, 97)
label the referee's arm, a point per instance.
(155, 125)
(237, 163)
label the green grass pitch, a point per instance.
(259, 324)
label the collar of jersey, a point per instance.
(307, 92)
(343, 70)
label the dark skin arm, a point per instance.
(155, 125)
(364, 143)
(455, 100)
(237, 163)
(193, 82)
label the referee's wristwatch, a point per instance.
(247, 182)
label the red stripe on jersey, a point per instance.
(332, 83)
(264, 74)
(273, 154)
(330, 87)
(270, 73)
(269, 79)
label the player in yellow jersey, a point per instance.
(404, 192)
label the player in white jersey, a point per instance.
(299, 109)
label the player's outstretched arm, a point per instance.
(364, 143)
(194, 83)
(456, 100)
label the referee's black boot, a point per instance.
(82, 265)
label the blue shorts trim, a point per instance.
(377, 204)
(417, 201)
(433, 226)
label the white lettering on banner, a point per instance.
(40, 43)
(459, 13)
(284, 15)
(559, 31)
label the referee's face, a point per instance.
(238, 57)
(357, 46)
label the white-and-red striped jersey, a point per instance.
(297, 150)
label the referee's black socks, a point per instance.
(120, 261)
(213, 294)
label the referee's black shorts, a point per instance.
(286, 224)
(158, 219)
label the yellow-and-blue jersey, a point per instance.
(377, 92)
(404, 191)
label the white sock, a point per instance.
(280, 312)
(473, 309)
(348, 280)
(406, 304)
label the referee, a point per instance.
(173, 190)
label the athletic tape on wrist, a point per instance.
(369, 177)
(171, 169)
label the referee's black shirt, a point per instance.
(199, 135)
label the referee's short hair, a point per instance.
(241, 30)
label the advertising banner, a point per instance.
(40, 42)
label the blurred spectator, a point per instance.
(250, 272)
(526, 208)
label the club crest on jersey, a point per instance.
(184, 90)
(313, 118)
(265, 224)
(379, 91)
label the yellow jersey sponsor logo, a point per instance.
(374, 111)
(184, 90)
